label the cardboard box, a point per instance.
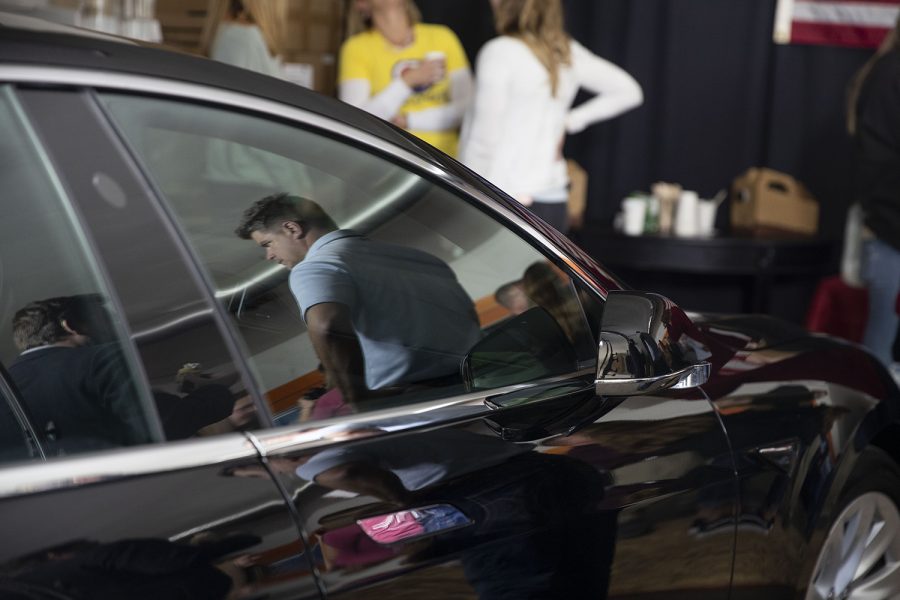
(320, 69)
(314, 26)
(764, 200)
(311, 36)
(184, 23)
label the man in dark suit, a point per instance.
(73, 377)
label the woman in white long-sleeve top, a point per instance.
(526, 81)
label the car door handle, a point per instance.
(412, 524)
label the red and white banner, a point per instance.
(855, 23)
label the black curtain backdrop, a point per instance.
(720, 97)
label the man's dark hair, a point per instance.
(39, 323)
(272, 210)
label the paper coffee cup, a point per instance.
(634, 212)
(686, 214)
(706, 217)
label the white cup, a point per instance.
(635, 212)
(438, 57)
(686, 214)
(706, 217)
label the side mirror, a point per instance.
(645, 347)
(524, 348)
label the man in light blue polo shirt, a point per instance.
(379, 315)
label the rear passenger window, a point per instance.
(60, 335)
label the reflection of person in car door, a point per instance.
(74, 381)
(380, 316)
(76, 384)
(536, 531)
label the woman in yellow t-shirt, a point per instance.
(410, 73)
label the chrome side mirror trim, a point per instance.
(647, 344)
(689, 377)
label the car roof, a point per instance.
(29, 41)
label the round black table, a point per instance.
(756, 261)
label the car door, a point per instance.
(161, 500)
(799, 409)
(515, 477)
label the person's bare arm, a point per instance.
(331, 330)
(365, 479)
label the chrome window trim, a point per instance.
(11, 73)
(107, 466)
(367, 425)
(404, 418)
(120, 463)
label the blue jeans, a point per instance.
(881, 272)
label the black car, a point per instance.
(167, 431)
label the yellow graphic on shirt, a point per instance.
(370, 56)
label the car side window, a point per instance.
(60, 337)
(381, 285)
